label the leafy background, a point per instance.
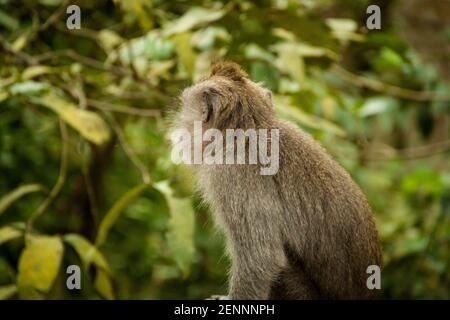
(85, 170)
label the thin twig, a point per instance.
(93, 204)
(54, 17)
(130, 62)
(18, 55)
(415, 152)
(106, 106)
(122, 109)
(59, 182)
(24, 57)
(391, 90)
(90, 62)
(79, 93)
(425, 151)
(76, 90)
(96, 64)
(127, 149)
(83, 32)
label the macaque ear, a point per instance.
(269, 96)
(211, 100)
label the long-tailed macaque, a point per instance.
(304, 232)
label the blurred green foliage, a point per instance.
(85, 170)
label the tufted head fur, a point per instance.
(229, 70)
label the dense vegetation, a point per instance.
(85, 170)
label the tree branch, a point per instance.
(391, 90)
(413, 152)
(127, 149)
(18, 55)
(128, 110)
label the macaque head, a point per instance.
(227, 99)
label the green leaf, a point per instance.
(8, 21)
(9, 233)
(388, 59)
(423, 180)
(8, 291)
(154, 47)
(376, 105)
(253, 51)
(89, 124)
(192, 18)
(87, 252)
(181, 227)
(17, 193)
(142, 51)
(411, 242)
(29, 87)
(114, 213)
(205, 39)
(103, 284)
(39, 264)
(265, 73)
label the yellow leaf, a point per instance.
(328, 107)
(35, 71)
(8, 233)
(3, 95)
(103, 284)
(8, 291)
(21, 41)
(90, 254)
(139, 9)
(109, 39)
(287, 110)
(87, 251)
(344, 29)
(89, 124)
(39, 264)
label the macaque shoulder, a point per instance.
(303, 157)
